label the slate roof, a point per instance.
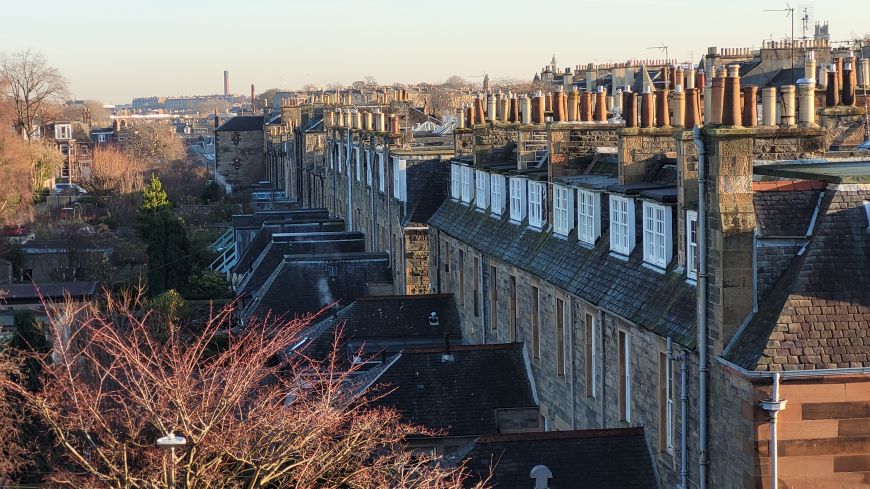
(459, 396)
(264, 236)
(784, 214)
(818, 314)
(660, 302)
(242, 123)
(427, 184)
(587, 459)
(303, 284)
(17, 293)
(387, 324)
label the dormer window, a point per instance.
(455, 182)
(399, 189)
(692, 245)
(62, 131)
(621, 225)
(382, 177)
(358, 164)
(588, 216)
(368, 162)
(481, 196)
(467, 174)
(537, 200)
(518, 199)
(563, 210)
(496, 194)
(657, 237)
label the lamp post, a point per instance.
(171, 441)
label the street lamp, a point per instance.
(171, 441)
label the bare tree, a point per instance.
(154, 142)
(32, 85)
(114, 171)
(254, 413)
(13, 451)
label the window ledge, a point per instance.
(560, 235)
(654, 268)
(619, 256)
(586, 244)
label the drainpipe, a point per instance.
(773, 406)
(335, 139)
(684, 414)
(373, 149)
(602, 357)
(388, 176)
(703, 368)
(349, 219)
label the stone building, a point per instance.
(599, 266)
(240, 153)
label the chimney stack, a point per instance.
(491, 107)
(558, 105)
(788, 106)
(478, 110)
(731, 99)
(810, 65)
(693, 110)
(646, 108)
(226, 83)
(768, 106)
(601, 105)
(679, 98)
(526, 103)
(460, 116)
(394, 124)
(663, 118)
(750, 107)
(585, 106)
(848, 96)
(839, 63)
(514, 109)
(807, 99)
(573, 101)
(253, 103)
(832, 95)
(538, 108)
(629, 106)
(505, 108)
(865, 72)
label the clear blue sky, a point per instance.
(113, 50)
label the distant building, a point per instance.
(240, 152)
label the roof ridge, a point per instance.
(375, 298)
(561, 435)
(464, 348)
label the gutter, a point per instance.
(703, 369)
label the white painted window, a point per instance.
(481, 195)
(537, 203)
(357, 164)
(518, 198)
(399, 189)
(368, 162)
(332, 150)
(467, 174)
(62, 131)
(588, 216)
(867, 210)
(382, 174)
(563, 209)
(692, 244)
(621, 224)
(455, 183)
(496, 199)
(656, 234)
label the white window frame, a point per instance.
(669, 404)
(626, 346)
(382, 174)
(467, 175)
(563, 210)
(358, 163)
(518, 189)
(455, 181)
(657, 235)
(691, 245)
(481, 193)
(496, 194)
(340, 158)
(368, 161)
(537, 204)
(592, 360)
(588, 216)
(332, 149)
(63, 131)
(399, 189)
(621, 224)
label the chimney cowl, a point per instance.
(433, 319)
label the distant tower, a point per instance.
(553, 64)
(226, 83)
(486, 83)
(253, 102)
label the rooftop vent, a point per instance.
(433, 319)
(542, 476)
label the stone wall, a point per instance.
(573, 145)
(787, 143)
(240, 157)
(641, 150)
(563, 399)
(844, 126)
(495, 143)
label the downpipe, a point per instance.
(703, 367)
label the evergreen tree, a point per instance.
(154, 198)
(166, 238)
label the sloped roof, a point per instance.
(51, 290)
(427, 188)
(387, 323)
(784, 214)
(242, 123)
(588, 459)
(818, 314)
(660, 302)
(460, 396)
